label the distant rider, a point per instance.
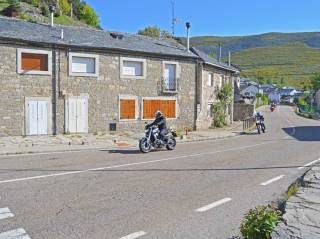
(159, 121)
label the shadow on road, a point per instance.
(123, 151)
(304, 133)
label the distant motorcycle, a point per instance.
(153, 141)
(260, 124)
(272, 107)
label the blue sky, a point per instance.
(211, 17)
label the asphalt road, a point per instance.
(200, 190)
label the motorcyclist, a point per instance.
(259, 116)
(160, 122)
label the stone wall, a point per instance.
(241, 111)
(103, 92)
(208, 94)
(13, 90)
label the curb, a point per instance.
(30, 152)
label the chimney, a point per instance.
(51, 9)
(188, 26)
(229, 58)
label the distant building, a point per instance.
(251, 91)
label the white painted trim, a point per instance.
(177, 76)
(66, 110)
(33, 51)
(129, 97)
(160, 98)
(26, 115)
(213, 205)
(84, 55)
(144, 68)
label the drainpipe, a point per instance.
(54, 92)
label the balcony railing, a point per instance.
(170, 86)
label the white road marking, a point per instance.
(130, 164)
(272, 180)
(44, 153)
(5, 213)
(309, 164)
(133, 235)
(213, 205)
(19, 233)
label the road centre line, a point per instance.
(134, 235)
(272, 180)
(5, 213)
(213, 205)
(130, 164)
(309, 164)
(19, 233)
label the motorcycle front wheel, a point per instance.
(145, 145)
(258, 128)
(171, 145)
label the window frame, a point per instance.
(212, 79)
(177, 76)
(84, 55)
(20, 51)
(128, 97)
(159, 98)
(210, 115)
(139, 60)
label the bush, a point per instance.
(13, 10)
(64, 7)
(45, 10)
(35, 3)
(260, 222)
(89, 16)
(219, 116)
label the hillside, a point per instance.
(74, 12)
(290, 58)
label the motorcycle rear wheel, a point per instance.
(145, 145)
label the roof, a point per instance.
(14, 29)
(211, 61)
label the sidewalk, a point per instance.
(46, 144)
(302, 217)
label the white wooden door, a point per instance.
(77, 115)
(82, 115)
(42, 117)
(38, 117)
(33, 117)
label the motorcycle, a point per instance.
(260, 125)
(272, 107)
(153, 141)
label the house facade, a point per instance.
(56, 80)
(212, 75)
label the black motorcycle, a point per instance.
(153, 141)
(260, 125)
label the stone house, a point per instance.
(212, 75)
(61, 79)
(317, 98)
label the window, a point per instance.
(170, 76)
(219, 82)
(210, 110)
(166, 106)
(83, 64)
(210, 79)
(128, 109)
(34, 62)
(133, 68)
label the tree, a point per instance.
(151, 31)
(64, 7)
(225, 97)
(88, 15)
(315, 82)
(166, 34)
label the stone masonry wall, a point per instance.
(13, 90)
(103, 92)
(209, 94)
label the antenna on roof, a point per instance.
(62, 34)
(174, 19)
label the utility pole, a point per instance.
(71, 11)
